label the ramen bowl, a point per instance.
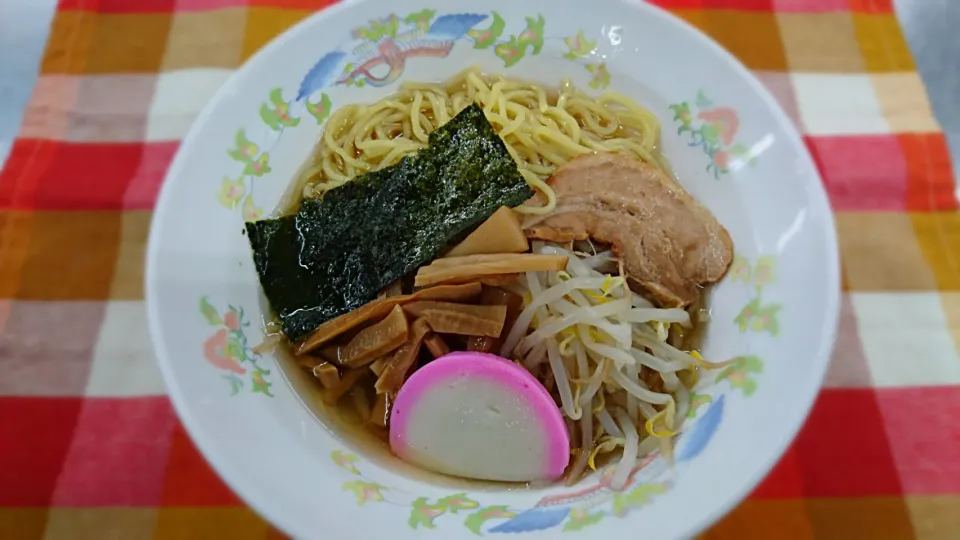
(254, 415)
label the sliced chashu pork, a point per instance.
(670, 245)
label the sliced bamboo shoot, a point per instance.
(476, 266)
(500, 233)
(381, 308)
(377, 340)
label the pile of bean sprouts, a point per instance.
(594, 343)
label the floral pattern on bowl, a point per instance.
(229, 351)
(714, 129)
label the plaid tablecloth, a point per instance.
(89, 444)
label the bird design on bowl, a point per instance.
(379, 52)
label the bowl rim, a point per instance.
(794, 418)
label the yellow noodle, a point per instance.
(542, 100)
(474, 78)
(513, 126)
(439, 109)
(569, 123)
(541, 127)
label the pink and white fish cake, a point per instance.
(479, 416)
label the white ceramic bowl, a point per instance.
(731, 146)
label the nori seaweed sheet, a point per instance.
(340, 250)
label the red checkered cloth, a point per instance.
(90, 447)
